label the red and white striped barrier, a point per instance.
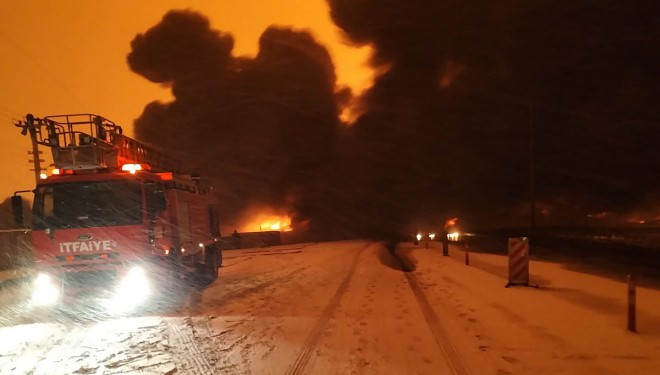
(518, 261)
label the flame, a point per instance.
(282, 223)
(268, 222)
(451, 222)
(260, 218)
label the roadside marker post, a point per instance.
(518, 261)
(467, 255)
(445, 244)
(632, 304)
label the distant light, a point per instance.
(43, 176)
(432, 236)
(201, 244)
(419, 236)
(183, 250)
(453, 236)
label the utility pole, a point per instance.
(532, 187)
(30, 128)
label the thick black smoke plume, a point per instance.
(260, 127)
(448, 123)
(446, 128)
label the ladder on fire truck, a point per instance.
(81, 142)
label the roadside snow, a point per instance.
(348, 308)
(114, 346)
(574, 323)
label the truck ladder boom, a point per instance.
(88, 141)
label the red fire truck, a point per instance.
(114, 215)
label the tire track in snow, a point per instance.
(188, 351)
(299, 365)
(455, 361)
(240, 293)
(196, 308)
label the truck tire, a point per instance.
(212, 263)
(175, 263)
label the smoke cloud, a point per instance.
(463, 84)
(446, 129)
(259, 127)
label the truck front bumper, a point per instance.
(113, 290)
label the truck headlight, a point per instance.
(44, 292)
(132, 290)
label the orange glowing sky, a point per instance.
(69, 56)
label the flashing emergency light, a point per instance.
(59, 172)
(132, 168)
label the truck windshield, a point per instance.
(87, 204)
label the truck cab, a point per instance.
(107, 224)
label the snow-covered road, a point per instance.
(348, 308)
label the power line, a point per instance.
(41, 68)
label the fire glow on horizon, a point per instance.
(282, 224)
(259, 218)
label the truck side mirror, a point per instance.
(17, 209)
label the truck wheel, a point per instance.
(175, 264)
(212, 264)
